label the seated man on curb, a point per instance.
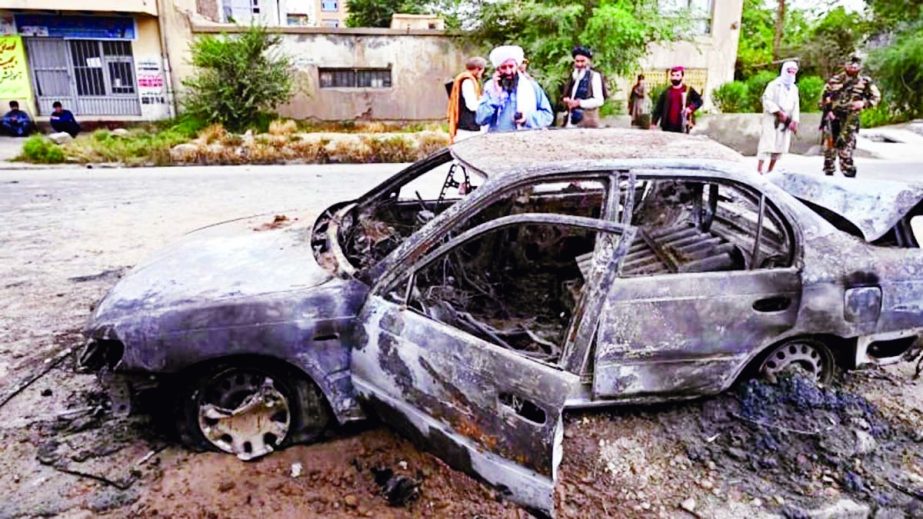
(16, 122)
(63, 120)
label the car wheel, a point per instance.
(250, 411)
(810, 357)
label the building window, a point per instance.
(699, 13)
(331, 23)
(329, 6)
(355, 78)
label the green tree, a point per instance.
(377, 13)
(898, 70)
(239, 78)
(833, 39)
(618, 31)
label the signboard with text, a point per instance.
(76, 27)
(14, 74)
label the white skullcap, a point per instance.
(506, 52)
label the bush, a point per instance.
(809, 90)
(898, 68)
(239, 80)
(39, 150)
(733, 97)
(879, 116)
(756, 84)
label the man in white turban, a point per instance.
(512, 101)
(781, 111)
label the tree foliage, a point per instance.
(377, 13)
(239, 78)
(898, 69)
(618, 32)
(832, 40)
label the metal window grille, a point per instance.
(90, 77)
(355, 78)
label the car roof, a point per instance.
(500, 153)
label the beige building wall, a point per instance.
(709, 59)
(330, 17)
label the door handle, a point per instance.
(772, 304)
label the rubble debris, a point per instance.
(48, 364)
(46, 392)
(278, 221)
(398, 489)
(296, 470)
(106, 275)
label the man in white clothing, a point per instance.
(584, 92)
(781, 111)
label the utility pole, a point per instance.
(780, 26)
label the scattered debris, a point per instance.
(398, 489)
(278, 221)
(296, 470)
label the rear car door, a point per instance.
(486, 398)
(696, 297)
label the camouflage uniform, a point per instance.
(840, 135)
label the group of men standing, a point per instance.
(513, 100)
(844, 96)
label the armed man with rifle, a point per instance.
(845, 95)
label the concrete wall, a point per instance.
(742, 131)
(421, 62)
(123, 6)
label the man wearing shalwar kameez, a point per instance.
(781, 111)
(512, 101)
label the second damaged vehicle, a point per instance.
(472, 298)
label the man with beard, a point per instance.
(583, 92)
(464, 97)
(512, 101)
(845, 95)
(676, 104)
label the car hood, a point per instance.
(873, 206)
(237, 259)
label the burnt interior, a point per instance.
(692, 226)
(516, 287)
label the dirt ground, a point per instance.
(792, 449)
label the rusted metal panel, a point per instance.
(446, 389)
(873, 206)
(693, 328)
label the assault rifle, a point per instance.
(827, 127)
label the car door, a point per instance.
(685, 318)
(485, 409)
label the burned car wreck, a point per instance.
(472, 298)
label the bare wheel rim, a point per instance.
(801, 355)
(243, 413)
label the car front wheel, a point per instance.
(808, 356)
(250, 411)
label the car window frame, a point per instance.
(787, 222)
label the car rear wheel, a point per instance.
(810, 357)
(250, 411)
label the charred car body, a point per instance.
(545, 271)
